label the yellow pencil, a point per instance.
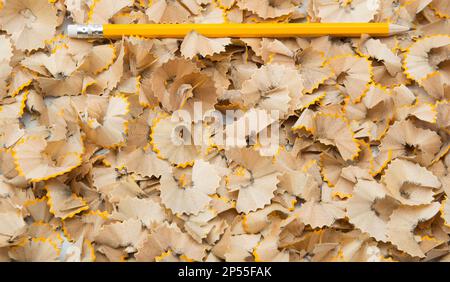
(235, 30)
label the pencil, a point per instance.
(235, 30)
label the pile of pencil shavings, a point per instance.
(121, 150)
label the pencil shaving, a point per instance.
(224, 149)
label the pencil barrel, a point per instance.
(247, 30)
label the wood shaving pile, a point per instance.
(89, 170)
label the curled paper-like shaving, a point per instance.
(402, 223)
(189, 193)
(224, 149)
(410, 183)
(197, 44)
(269, 9)
(368, 209)
(100, 11)
(425, 56)
(346, 11)
(37, 160)
(35, 249)
(28, 22)
(254, 179)
(171, 11)
(353, 73)
(273, 87)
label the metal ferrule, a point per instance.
(85, 30)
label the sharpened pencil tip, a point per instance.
(396, 29)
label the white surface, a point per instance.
(72, 30)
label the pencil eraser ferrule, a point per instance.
(85, 30)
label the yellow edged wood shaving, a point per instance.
(225, 149)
